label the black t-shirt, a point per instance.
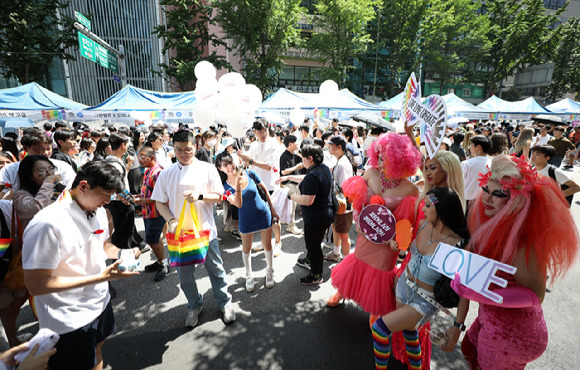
(57, 154)
(204, 155)
(317, 182)
(289, 160)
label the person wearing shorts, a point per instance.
(64, 251)
(154, 222)
(343, 220)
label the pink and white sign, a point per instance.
(377, 223)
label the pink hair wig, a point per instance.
(395, 155)
(541, 223)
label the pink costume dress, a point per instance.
(367, 275)
(507, 338)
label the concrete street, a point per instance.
(287, 327)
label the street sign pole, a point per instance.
(122, 66)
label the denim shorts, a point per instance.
(153, 229)
(407, 295)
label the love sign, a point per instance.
(377, 223)
(476, 272)
(411, 97)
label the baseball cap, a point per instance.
(337, 140)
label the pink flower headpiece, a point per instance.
(514, 185)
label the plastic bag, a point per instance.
(282, 205)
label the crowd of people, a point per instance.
(70, 197)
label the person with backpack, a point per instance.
(541, 155)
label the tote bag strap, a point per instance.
(5, 231)
(193, 212)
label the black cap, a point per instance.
(337, 140)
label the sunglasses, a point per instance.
(496, 193)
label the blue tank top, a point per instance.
(419, 265)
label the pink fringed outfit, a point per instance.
(367, 275)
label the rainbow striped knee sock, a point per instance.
(413, 348)
(382, 343)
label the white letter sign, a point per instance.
(476, 272)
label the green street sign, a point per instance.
(83, 20)
(87, 47)
(98, 54)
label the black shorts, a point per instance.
(76, 350)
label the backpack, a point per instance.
(552, 173)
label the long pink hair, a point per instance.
(539, 222)
(395, 155)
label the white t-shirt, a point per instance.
(264, 152)
(471, 169)
(329, 160)
(341, 172)
(61, 238)
(199, 176)
(538, 140)
(162, 156)
(561, 176)
(9, 174)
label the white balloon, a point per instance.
(206, 89)
(328, 88)
(229, 101)
(297, 116)
(251, 98)
(203, 116)
(232, 80)
(204, 69)
(238, 124)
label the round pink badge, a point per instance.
(377, 223)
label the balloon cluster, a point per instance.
(228, 100)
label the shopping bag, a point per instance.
(188, 247)
(282, 205)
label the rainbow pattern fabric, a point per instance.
(188, 247)
(4, 244)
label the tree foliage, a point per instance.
(453, 37)
(32, 34)
(566, 58)
(340, 35)
(262, 32)
(521, 32)
(187, 40)
(397, 50)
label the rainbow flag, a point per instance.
(4, 244)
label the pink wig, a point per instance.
(540, 222)
(395, 155)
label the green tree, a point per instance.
(521, 33)
(262, 32)
(186, 39)
(32, 33)
(566, 58)
(453, 35)
(340, 35)
(397, 50)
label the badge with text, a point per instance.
(377, 223)
(411, 97)
(476, 272)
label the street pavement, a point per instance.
(286, 327)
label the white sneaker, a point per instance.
(330, 256)
(228, 229)
(269, 279)
(294, 230)
(249, 283)
(192, 317)
(277, 249)
(229, 313)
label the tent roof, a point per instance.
(393, 103)
(456, 105)
(32, 96)
(565, 106)
(134, 98)
(286, 99)
(526, 106)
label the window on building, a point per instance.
(554, 4)
(466, 93)
(450, 91)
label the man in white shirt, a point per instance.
(479, 147)
(541, 154)
(543, 138)
(36, 143)
(199, 183)
(343, 220)
(261, 157)
(64, 250)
